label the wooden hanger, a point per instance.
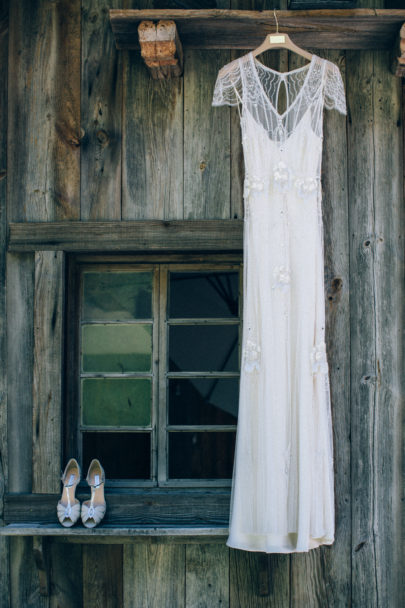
(280, 41)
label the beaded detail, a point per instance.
(282, 278)
(318, 359)
(251, 356)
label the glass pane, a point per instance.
(116, 348)
(203, 294)
(117, 296)
(123, 455)
(203, 400)
(203, 348)
(201, 455)
(116, 401)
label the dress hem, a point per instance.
(274, 543)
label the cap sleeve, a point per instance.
(334, 93)
(228, 86)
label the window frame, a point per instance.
(76, 264)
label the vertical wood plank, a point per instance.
(258, 580)
(152, 144)
(206, 139)
(66, 575)
(44, 110)
(361, 165)
(207, 576)
(20, 306)
(154, 576)
(102, 576)
(388, 244)
(101, 113)
(24, 581)
(4, 544)
(323, 576)
(48, 365)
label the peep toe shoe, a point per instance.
(68, 508)
(93, 510)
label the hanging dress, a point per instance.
(282, 491)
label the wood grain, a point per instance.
(44, 110)
(207, 576)
(152, 145)
(206, 139)
(24, 581)
(101, 115)
(47, 375)
(153, 235)
(102, 576)
(66, 575)
(154, 576)
(245, 29)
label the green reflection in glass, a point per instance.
(116, 348)
(116, 401)
(117, 296)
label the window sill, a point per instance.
(108, 534)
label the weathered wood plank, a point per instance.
(48, 366)
(102, 576)
(389, 307)
(24, 581)
(153, 142)
(362, 176)
(207, 576)
(161, 48)
(44, 110)
(4, 544)
(20, 306)
(258, 580)
(66, 575)
(101, 113)
(154, 576)
(335, 562)
(206, 139)
(236, 29)
(171, 507)
(153, 235)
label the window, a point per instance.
(153, 370)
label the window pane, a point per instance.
(116, 401)
(116, 348)
(203, 348)
(203, 400)
(201, 455)
(117, 296)
(203, 294)
(123, 455)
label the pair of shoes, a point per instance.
(92, 511)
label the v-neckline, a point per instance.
(308, 67)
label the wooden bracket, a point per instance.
(42, 563)
(161, 48)
(399, 62)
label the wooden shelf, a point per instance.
(227, 29)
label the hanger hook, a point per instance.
(275, 17)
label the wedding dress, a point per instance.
(282, 491)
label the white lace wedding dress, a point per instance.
(282, 494)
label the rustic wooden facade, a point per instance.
(86, 135)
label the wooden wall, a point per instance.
(86, 134)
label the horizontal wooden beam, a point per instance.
(146, 508)
(239, 29)
(120, 535)
(134, 236)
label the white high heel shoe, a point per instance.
(68, 507)
(93, 510)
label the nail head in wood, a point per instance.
(161, 48)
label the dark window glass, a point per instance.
(123, 455)
(203, 400)
(116, 401)
(203, 348)
(117, 296)
(116, 348)
(203, 294)
(201, 455)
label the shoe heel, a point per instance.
(68, 507)
(93, 510)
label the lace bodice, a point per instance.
(256, 87)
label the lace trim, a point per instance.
(283, 179)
